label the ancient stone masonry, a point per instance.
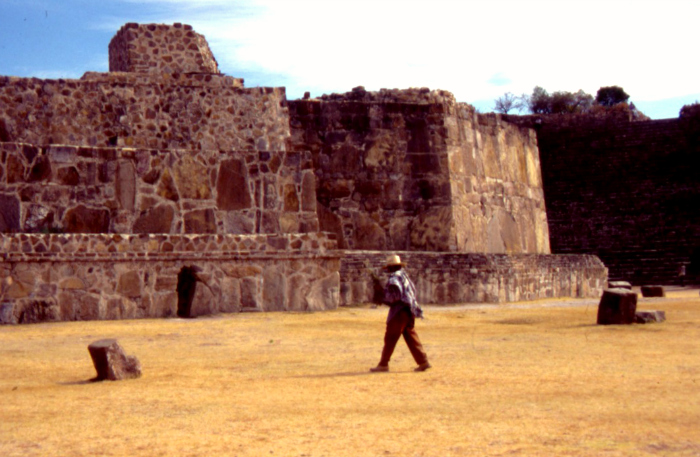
(70, 189)
(63, 277)
(628, 192)
(166, 188)
(164, 111)
(414, 170)
(443, 278)
(159, 48)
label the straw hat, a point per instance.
(394, 260)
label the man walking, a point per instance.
(400, 295)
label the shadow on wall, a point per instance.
(693, 270)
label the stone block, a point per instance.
(7, 313)
(192, 179)
(111, 363)
(233, 192)
(82, 219)
(166, 187)
(308, 192)
(250, 294)
(619, 285)
(648, 317)
(126, 185)
(203, 303)
(274, 290)
(129, 284)
(34, 311)
(617, 306)
(200, 221)
(324, 293)
(653, 291)
(9, 213)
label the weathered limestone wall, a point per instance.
(107, 276)
(498, 203)
(163, 111)
(414, 170)
(159, 48)
(69, 189)
(445, 278)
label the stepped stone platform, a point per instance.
(114, 185)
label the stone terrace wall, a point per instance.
(159, 48)
(414, 170)
(497, 198)
(69, 189)
(163, 111)
(450, 278)
(107, 276)
(628, 192)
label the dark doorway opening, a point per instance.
(186, 286)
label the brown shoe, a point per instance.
(423, 366)
(379, 369)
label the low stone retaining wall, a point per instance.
(446, 278)
(106, 276)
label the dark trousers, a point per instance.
(402, 324)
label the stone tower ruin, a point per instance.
(116, 186)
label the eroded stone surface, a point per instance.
(648, 317)
(159, 48)
(459, 181)
(617, 306)
(653, 291)
(111, 362)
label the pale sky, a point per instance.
(476, 49)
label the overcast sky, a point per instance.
(476, 49)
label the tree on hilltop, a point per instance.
(508, 102)
(611, 95)
(609, 101)
(541, 102)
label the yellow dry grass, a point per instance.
(537, 379)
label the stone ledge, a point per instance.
(76, 245)
(450, 278)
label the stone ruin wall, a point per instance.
(414, 170)
(72, 189)
(453, 278)
(496, 186)
(101, 233)
(113, 183)
(65, 277)
(624, 191)
(159, 48)
(183, 111)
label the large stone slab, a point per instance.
(9, 213)
(653, 291)
(111, 362)
(619, 285)
(648, 317)
(617, 306)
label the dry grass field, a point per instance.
(533, 379)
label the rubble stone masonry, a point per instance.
(414, 170)
(117, 189)
(159, 48)
(71, 189)
(163, 111)
(63, 277)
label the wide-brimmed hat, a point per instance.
(393, 261)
